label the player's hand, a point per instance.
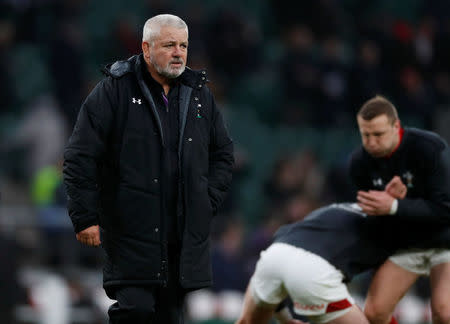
(396, 188)
(90, 236)
(375, 202)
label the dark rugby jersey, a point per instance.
(422, 160)
(352, 241)
(343, 236)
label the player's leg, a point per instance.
(440, 291)
(265, 290)
(255, 311)
(388, 286)
(354, 316)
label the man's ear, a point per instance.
(146, 49)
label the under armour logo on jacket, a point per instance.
(138, 101)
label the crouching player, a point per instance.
(310, 261)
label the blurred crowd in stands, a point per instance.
(289, 77)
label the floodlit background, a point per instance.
(289, 77)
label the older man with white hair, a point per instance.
(146, 168)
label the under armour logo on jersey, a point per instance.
(138, 101)
(377, 182)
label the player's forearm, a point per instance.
(421, 210)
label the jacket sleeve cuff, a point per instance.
(80, 225)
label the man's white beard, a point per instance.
(167, 71)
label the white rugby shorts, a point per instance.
(420, 261)
(315, 286)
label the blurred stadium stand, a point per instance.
(289, 81)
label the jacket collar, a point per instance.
(195, 79)
(191, 78)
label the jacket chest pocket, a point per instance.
(200, 125)
(140, 162)
(140, 121)
(203, 132)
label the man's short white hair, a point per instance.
(153, 26)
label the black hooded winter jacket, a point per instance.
(113, 165)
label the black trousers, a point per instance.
(146, 305)
(149, 304)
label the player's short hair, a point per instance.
(378, 106)
(153, 26)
